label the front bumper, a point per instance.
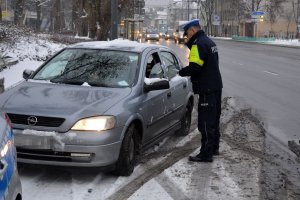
(73, 148)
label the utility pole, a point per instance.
(188, 12)
(253, 23)
(298, 19)
(114, 20)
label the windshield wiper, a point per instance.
(70, 82)
(96, 84)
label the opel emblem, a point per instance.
(32, 120)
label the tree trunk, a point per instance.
(105, 19)
(38, 20)
(0, 12)
(19, 12)
(92, 19)
(98, 15)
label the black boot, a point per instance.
(216, 151)
(200, 158)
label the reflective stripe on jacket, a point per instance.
(194, 56)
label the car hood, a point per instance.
(59, 100)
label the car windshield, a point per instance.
(152, 32)
(103, 68)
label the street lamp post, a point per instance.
(298, 19)
(188, 13)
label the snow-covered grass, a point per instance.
(294, 42)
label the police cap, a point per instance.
(189, 24)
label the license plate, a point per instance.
(33, 141)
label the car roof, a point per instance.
(118, 44)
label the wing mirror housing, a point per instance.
(27, 73)
(151, 84)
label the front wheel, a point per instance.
(186, 121)
(127, 157)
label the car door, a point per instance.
(155, 103)
(178, 85)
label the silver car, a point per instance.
(98, 104)
(10, 184)
(152, 35)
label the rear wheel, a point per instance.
(127, 157)
(186, 121)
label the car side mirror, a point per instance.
(156, 84)
(27, 73)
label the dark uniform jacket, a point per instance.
(203, 64)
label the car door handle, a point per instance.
(169, 94)
(184, 85)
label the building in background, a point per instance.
(240, 17)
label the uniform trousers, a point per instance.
(209, 112)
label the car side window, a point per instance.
(154, 68)
(171, 64)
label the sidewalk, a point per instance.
(295, 43)
(249, 166)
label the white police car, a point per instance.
(10, 184)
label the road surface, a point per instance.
(266, 78)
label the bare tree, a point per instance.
(57, 17)
(38, 12)
(92, 26)
(0, 12)
(105, 20)
(236, 13)
(207, 14)
(274, 9)
(289, 17)
(295, 15)
(19, 12)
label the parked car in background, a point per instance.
(99, 104)
(169, 35)
(10, 184)
(152, 35)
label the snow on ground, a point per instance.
(283, 42)
(294, 42)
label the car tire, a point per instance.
(127, 157)
(186, 121)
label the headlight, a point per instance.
(4, 150)
(99, 123)
(148, 35)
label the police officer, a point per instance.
(206, 78)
